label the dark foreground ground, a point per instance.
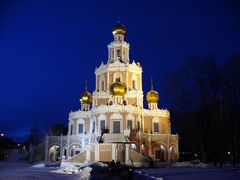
(24, 171)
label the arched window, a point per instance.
(124, 102)
(134, 84)
(117, 76)
(134, 81)
(102, 83)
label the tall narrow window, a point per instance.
(156, 127)
(80, 128)
(102, 85)
(71, 130)
(129, 124)
(102, 124)
(93, 128)
(118, 53)
(134, 84)
(116, 126)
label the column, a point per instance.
(127, 153)
(127, 79)
(113, 151)
(168, 151)
(61, 148)
(108, 81)
(96, 152)
(46, 147)
(68, 148)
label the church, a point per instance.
(112, 123)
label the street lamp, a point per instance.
(2, 134)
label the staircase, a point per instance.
(138, 160)
(79, 158)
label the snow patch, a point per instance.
(101, 164)
(39, 165)
(75, 168)
(147, 175)
(192, 164)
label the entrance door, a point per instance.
(116, 126)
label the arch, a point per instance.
(75, 148)
(173, 152)
(117, 75)
(160, 151)
(125, 102)
(110, 102)
(54, 153)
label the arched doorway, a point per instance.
(75, 149)
(54, 153)
(160, 153)
(172, 153)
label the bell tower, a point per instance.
(118, 50)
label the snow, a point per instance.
(148, 175)
(81, 169)
(101, 164)
(39, 165)
(190, 164)
(189, 171)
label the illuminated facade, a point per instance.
(112, 123)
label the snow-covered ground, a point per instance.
(25, 171)
(189, 171)
(68, 171)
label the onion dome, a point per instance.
(152, 96)
(119, 29)
(86, 97)
(118, 89)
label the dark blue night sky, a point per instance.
(49, 48)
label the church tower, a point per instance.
(118, 74)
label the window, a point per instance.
(93, 128)
(118, 53)
(102, 85)
(102, 124)
(71, 130)
(156, 127)
(116, 126)
(129, 124)
(80, 128)
(134, 84)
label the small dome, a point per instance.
(86, 97)
(118, 89)
(152, 96)
(119, 29)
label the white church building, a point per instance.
(112, 123)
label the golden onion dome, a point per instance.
(86, 97)
(118, 89)
(119, 29)
(152, 96)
